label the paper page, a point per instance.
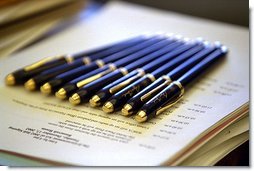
(47, 128)
(211, 157)
(231, 131)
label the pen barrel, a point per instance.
(140, 98)
(132, 58)
(105, 93)
(63, 68)
(133, 49)
(66, 76)
(21, 76)
(88, 90)
(153, 56)
(74, 73)
(168, 57)
(162, 101)
(110, 49)
(203, 65)
(121, 97)
(77, 82)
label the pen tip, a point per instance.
(30, 85)
(46, 88)
(141, 116)
(75, 99)
(61, 94)
(10, 80)
(95, 101)
(127, 110)
(108, 107)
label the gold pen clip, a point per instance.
(150, 93)
(42, 62)
(123, 84)
(112, 67)
(172, 103)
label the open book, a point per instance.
(212, 115)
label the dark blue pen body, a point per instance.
(170, 93)
(136, 101)
(56, 84)
(202, 66)
(22, 75)
(72, 86)
(173, 91)
(121, 97)
(65, 77)
(88, 90)
(105, 93)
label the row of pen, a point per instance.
(143, 75)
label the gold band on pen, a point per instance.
(118, 87)
(167, 78)
(141, 116)
(69, 58)
(42, 62)
(123, 70)
(170, 104)
(10, 80)
(112, 67)
(87, 60)
(100, 63)
(151, 77)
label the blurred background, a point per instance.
(26, 22)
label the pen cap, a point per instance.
(163, 100)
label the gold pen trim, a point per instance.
(42, 62)
(95, 101)
(46, 88)
(141, 116)
(172, 103)
(10, 80)
(147, 95)
(61, 94)
(123, 70)
(30, 85)
(75, 99)
(87, 60)
(69, 58)
(96, 76)
(126, 110)
(123, 84)
(151, 77)
(108, 107)
(100, 63)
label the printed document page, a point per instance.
(44, 127)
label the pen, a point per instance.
(74, 85)
(174, 92)
(22, 75)
(134, 103)
(84, 93)
(120, 98)
(56, 84)
(106, 92)
(42, 78)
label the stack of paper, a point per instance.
(24, 22)
(210, 121)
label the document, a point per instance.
(44, 127)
